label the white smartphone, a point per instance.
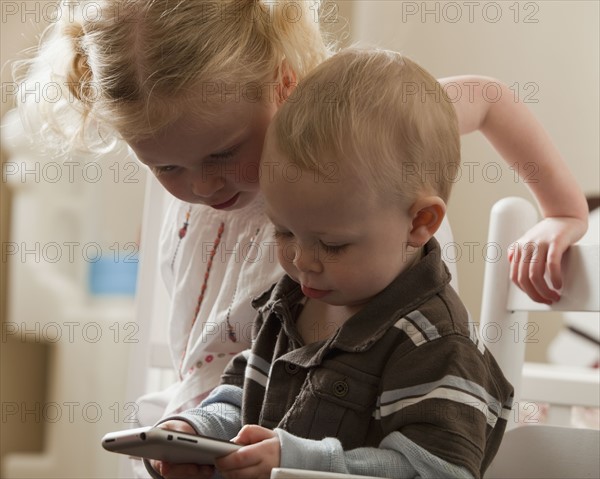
(166, 445)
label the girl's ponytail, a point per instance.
(54, 96)
(79, 76)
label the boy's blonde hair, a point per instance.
(129, 66)
(378, 113)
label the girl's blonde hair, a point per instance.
(128, 66)
(377, 113)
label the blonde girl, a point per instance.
(191, 86)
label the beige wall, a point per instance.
(18, 359)
(546, 50)
(28, 367)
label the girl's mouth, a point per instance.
(226, 204)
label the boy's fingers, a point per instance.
(251, 434)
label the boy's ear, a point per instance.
(287, 82)
(427, 214)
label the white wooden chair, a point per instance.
(554, 450)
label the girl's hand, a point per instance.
(262, 452)
(169, 470)
(175, 471)
(539, 252)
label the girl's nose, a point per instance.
(205, 185)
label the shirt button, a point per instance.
(340, 388)
(291, 368)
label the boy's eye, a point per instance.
(333, 249)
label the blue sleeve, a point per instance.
(396, 456)
(218, 416)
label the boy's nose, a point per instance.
(306, 261)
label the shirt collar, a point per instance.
(410, 289)
(406, 293)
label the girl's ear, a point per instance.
(427, 214)
(287, 82)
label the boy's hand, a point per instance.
(262, 452)
(174, 471)
(540, 250)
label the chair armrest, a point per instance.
(561, 385)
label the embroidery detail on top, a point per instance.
(182, 232)
(230, 329)
(203, 289)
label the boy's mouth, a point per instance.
(226, 204)
(314, 293)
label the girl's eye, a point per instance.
(224, 155)
(333, 249)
